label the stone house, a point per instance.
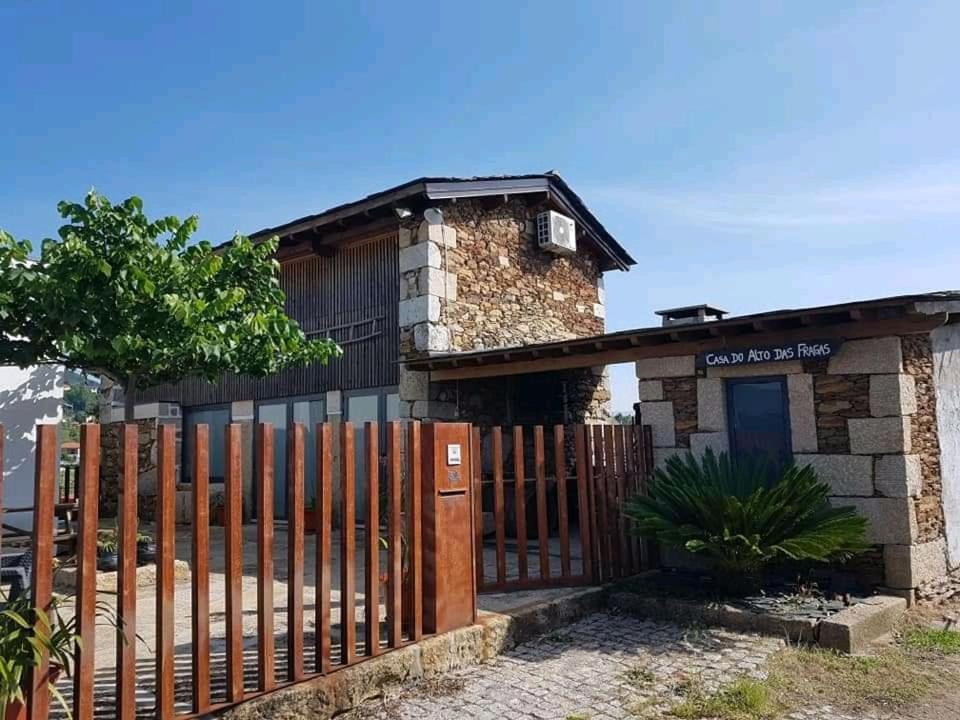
(433, 266)
(868, 393)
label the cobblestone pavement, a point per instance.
(605, 666)
(610, 666)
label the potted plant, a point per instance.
(108, 547)
(146, 549)
(25, 632)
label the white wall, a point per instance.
(946, 384)
(27, 397)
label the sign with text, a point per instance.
(802, 350)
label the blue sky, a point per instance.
(752, 155)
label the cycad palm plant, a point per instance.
(729, 511)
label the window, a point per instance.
(217, 418)
(759, 419)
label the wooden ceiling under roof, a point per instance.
(869, 318)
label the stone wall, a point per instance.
(918, 363)
(478, 281)
(866, 420)
(111, 468)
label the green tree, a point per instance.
(130, 298)
(82, 401)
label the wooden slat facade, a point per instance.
(353, 295)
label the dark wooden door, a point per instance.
(759, 419)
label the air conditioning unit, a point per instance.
(556, 233)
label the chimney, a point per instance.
(690, 315)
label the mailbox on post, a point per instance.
(450, 597)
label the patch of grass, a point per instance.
(943, 641)
(743, 699)
(893, 678)
(639, 676)
(578, 717)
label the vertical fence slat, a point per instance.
(348, 630)
(600, 499)
(543, 529)
(498, 502)
(44, 499)
(166, 550)
(474, 471)
(583, 502)
(520, 500)
(633, 488)
(324, 551)
(647, 435)
(394, 543)
(613, 516)
(233, 533)
(127, 577)
(264, 449)
(88, 496)
(415, 530)
(620, 489)
(295, 552)
(560, 467)
(200, 584)
(371, 604)
(595, 540)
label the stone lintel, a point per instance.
(788, 367)
(871, 356)
(666, 367)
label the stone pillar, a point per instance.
(425, 289)
(242, 412)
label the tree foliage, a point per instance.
(82, 402)
(131, 299)
(730, 512)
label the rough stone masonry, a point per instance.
(478, 281)
(866, 420)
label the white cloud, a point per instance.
(902, 197)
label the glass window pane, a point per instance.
(276, 414)
(393, 407)
(217, 420)
(361, 409)
(309, 412)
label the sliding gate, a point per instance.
(548, 504)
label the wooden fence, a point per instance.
(397, 535)
(577, 487)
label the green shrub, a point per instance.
(731, 512)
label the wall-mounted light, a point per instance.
(433, 216)
(403, 213)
